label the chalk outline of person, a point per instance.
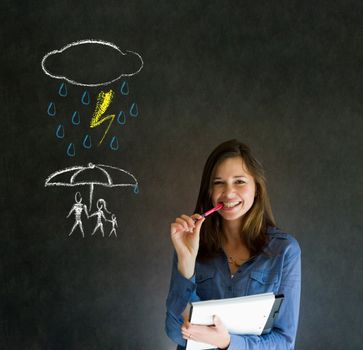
(101, 204)
(113, 221)
(78, 207)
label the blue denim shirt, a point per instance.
(277, 270)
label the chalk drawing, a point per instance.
(86, 99)
(134, 111)
(76, 118)
(78, 208)
(60, 131)
(121, 118)
(102, 115)
(63, 90)
(91, 42)
(104, 100)
(113, 221)
(114, 144)
(111, 177)
(71, 150)
(124, 88)
(87, 143)
(51, 109)
(101, 204)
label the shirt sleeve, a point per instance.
(182, 291)
(283, 333)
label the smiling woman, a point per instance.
(237, 252)
(233, 186)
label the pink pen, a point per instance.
(211, 211)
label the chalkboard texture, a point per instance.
(164, 83)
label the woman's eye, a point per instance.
(215, 183)
(240, 182)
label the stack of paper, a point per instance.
(241, 315)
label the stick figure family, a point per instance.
(78, 208)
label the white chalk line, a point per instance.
(89, 41)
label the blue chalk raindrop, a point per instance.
(114, 144)
(134, 112)
(76, 119)
(86, 98)
(87, 142)
(60, 131)
(71, 150)
(63, 90)
(51, 109)
(121, 118)
(136, 189)
(124, 88)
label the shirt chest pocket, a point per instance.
(205, 284)
(263, 281)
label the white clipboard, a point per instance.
(252, 315)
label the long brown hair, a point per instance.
(256, 220)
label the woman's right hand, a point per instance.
(185, 237)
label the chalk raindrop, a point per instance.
(121, 118)
(114, 144)
(51, 109)
(134, 112)
(86, 98)
(124, 88)
(71, 150)
(60, 131)
(136, 189)
(87, 143)
(63, 90)
(76, 118)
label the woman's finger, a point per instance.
(185, 223)
(197, 217)
(182, 221)
(189, 220)
(175, 227)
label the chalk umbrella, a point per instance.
(91, 175)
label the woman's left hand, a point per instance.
(216, 334)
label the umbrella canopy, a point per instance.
(93, 174)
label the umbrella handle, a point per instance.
(91, 196)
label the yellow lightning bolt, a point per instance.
(104, 99)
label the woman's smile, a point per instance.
(230, 205)
(233, 186)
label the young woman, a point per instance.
(236, 252)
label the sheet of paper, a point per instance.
(242, 315)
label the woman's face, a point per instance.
(233, 186)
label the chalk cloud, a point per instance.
(118, 75)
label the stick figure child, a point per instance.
(78, 208)
(101, 204)
(113, 221)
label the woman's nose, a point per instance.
(228, 190)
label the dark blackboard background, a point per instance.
(284, 77)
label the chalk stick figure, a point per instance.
(78, 208)
(101, 204)
(113, 221)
